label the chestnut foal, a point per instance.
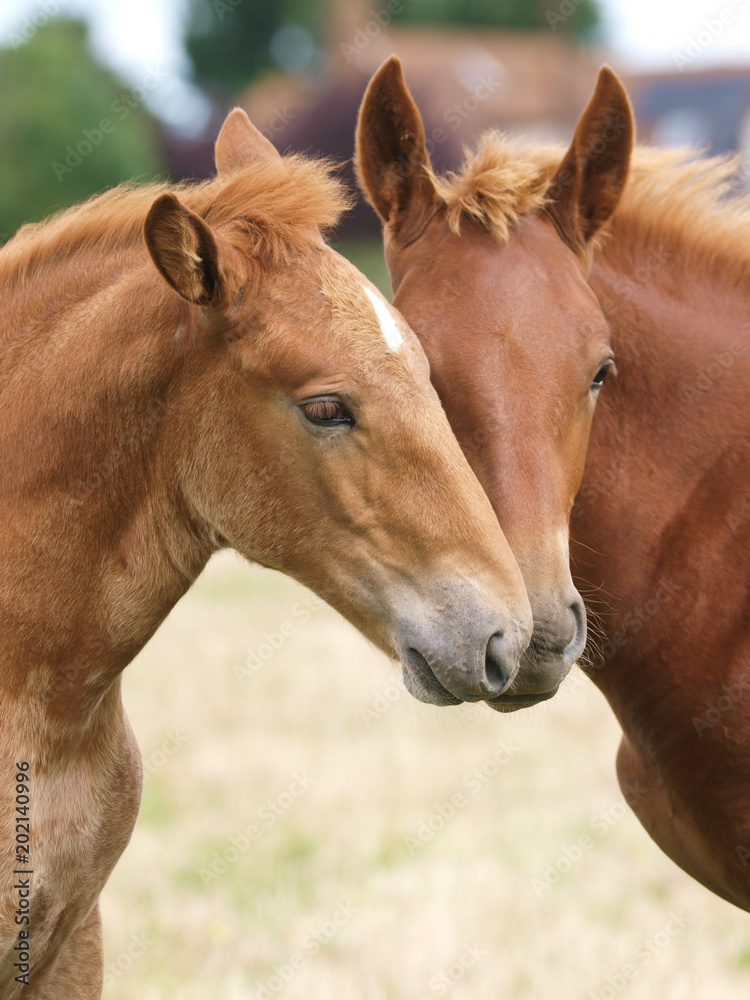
(184, 370)
(520, 305)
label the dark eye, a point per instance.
(602, 374)
(326, 411)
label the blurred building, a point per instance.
(466, 81)
(463, 81)
(708, 109)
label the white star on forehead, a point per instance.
(391, 333)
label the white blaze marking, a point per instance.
(391, 333)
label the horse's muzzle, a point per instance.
(482, 674)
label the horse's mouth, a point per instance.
(421, 683)
(513, 702)
(542, 671)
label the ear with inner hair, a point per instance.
(392, 163)
(394, 170)
(591, 177)
(188, 254)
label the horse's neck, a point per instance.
(97, 546)
(669, 439)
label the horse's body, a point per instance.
(270, 401)
(519, 308)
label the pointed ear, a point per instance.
(391, 158)
(239, 144)
(187, 253)
(589, 181)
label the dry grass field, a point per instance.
(310, 832)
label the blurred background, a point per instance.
(99, 91)
(308, 830)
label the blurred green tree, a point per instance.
(574, 17)
(232, 41)
(70, 127)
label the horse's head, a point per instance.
(311, 439)
(517, 343)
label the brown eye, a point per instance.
(602, 374)
(326, 411)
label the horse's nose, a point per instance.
(478, 674)
(559, 627)
(577, 641)
(500, 665)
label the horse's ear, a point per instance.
(186, 252)
(391, 157)
(239, 144)
(589, 181)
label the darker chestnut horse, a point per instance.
(227, 381)
(524, 276)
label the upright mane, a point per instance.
(673, 196)
(278, 203)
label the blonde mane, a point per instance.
(673, 197)
(279, 205)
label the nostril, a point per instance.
(496, 665)
(579, 614)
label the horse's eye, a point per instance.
(326, 411)
(602, 374)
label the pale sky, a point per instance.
(649, 33)
(135, 36)
(132, 36)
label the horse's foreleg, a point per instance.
(78, 971)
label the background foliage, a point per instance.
(54, 153)
(55, 92)
(229, 44)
